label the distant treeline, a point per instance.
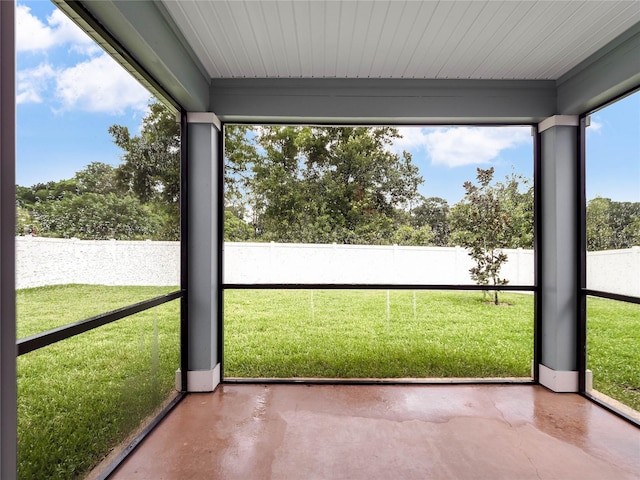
(295, 184)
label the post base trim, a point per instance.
(200, 380)
(562, 381)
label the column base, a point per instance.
(200, 380)
(561, 381)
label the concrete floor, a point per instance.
(387, 432)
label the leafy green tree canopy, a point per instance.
(95, 216)
(150, 168)
(338, 184)
(433, 212)
(612, 225)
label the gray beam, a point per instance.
(374, 101)
(7, 244)
(203, 147)
(612, 71)
(146, 31)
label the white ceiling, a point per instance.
(398, 39)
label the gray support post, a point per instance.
(204, 146)
(559, 246)
(8, 413)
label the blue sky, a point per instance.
(69, 92)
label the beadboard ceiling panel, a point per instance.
(528, 40)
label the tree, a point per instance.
(433, 212)
(623, 220)
(240, 156)
(338, 184)
(415, 236)
(26, 224)
(91, 205)
(516, 198)
(484, 227)
(600, 235)
(235, 228)
(612, 225)
(99, 177)
(95, 216)
(632, 232)
(151, 165)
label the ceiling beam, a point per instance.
(612, 71)
(377, 101)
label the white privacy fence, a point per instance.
(615, 271)
(310, 263)
(52, 261)
(55, 261)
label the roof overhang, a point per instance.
(176, 56)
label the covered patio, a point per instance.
(386, 431)
(544, 64)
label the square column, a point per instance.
(204, 144)
(559, 250)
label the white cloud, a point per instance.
(66, 31)
(96, 85)
(33, 83)
(99, 85)
(34, 35)
(458, 146)
(31, 33)
(595, 125)
(412, 138)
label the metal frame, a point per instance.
(537, 235)
(611, 296)
(611, 409)
(220, 251)
(40, 340)
(8, 437)
(8, 399)
(376, 286)
(581, 337)
(128, 450)
(380, 381)
(582, 269)
(184, 251)
(351, 286)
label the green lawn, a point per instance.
(447, 334)
(613, 349)
(44, 308)
(79, 398)
(294, 333)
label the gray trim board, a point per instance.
(144, 30)
(8, 349)
(611, 72)
(372, 101)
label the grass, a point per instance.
(295, 333)
(449, 334)
(44, 308)
(613, 349)
(79, 398)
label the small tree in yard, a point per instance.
(482, 225)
